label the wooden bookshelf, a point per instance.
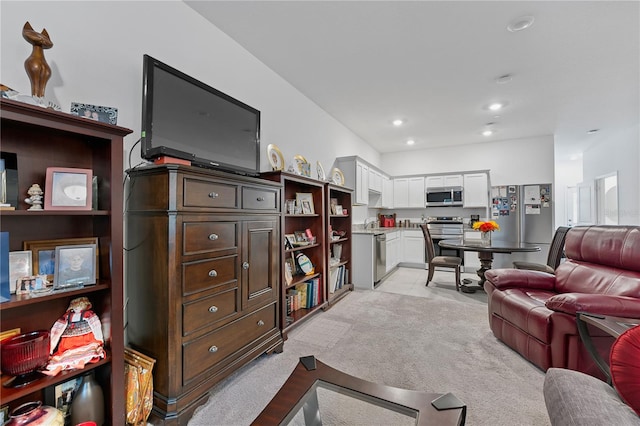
(339, 279)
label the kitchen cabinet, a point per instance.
(356, 176)
(41, 138)
(392, 250)
(203, 263)
(387, 193)
(413, 247)
(375, 180)
(409, 192)
(476, 190)
(444, 181)
(364, 260)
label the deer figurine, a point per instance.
(37, 68)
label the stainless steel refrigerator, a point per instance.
(525, 214)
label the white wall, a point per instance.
(97, 59)
(618, 151)
(512, 162)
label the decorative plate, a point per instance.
(321, 175)
(305, 263)
(275, 157)
(337, 177)
(301, 166)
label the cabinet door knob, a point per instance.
(213, 273)
(213, 237)
(213, 195)
(260, 198)
(213, 309)
(260, 323)
(245, 265)
(213, 349)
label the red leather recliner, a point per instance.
(534, 312)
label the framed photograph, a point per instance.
(291, 206)
(290, 240)
(68, 189)
(4, 414)
(301, 237)
(305, 200)
(31, 284)
(75, 266)
(95, 112)
(44, 254)
(333, 202)
(20, 265)
(339, 211)
(61, 396)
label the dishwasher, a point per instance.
(380, 248)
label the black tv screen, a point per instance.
(187, 119)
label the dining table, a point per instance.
(485, 251)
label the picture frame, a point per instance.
(43, 254)
(290, 239)
(75, 266)
(4, 414)
(100, 113)
(68, 189)
(305, 200)
(61, 396)
(20, 265)
(300, 236)
(291, 206)
(31, 284)
(339, 211)
(333, 202)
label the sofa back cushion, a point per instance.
(601, 259)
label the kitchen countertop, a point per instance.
(378, 231)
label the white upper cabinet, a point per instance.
(387, 192)
(444, 181)
(362, 183)
(375, 180)
(476, 190)
(408, 192)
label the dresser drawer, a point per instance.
(260, 198)
(207, 311)
(204, 237)
(204, 352)
(205, 274)
(204, 193)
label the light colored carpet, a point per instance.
(402, 334)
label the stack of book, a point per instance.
(305, 295)
(338, 277)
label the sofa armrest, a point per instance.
(520, 278)
(603, 304)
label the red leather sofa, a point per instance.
(534, 312)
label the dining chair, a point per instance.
(438, 261)
(554, 257)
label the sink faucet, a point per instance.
(369, 221)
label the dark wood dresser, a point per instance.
(203, 278)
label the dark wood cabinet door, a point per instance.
(260, 261)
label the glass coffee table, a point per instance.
(315, 392)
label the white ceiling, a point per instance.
(434, 64)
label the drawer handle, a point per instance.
(213, 273)
(260, 198)
(213, 195)
(213, 237)
(245, 265)
(213, 309)
(213, 349)
(260, 323)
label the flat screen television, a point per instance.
(186, 119)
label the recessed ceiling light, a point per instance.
(398, 122)
(593, 131)
(503, 79)
(411, 142)
(487, 133)
(521, 23)
(496, 106)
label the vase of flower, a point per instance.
(486, 238)
(486, 228)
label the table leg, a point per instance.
(486, 260)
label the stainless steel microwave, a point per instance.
(444, 196)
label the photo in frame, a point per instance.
(305, 200)
(68, 189)
(75, 266)
(44, 254)
(95, 112)
(290, 240)
(61, 396)
(20, 265)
